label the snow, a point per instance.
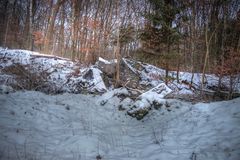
(154, 76)
(1, 48)
(104, 60)
(67, 76)
(129, 66)
(5, 89)
(69, 126)
(112, 61)
(63, 73)
(115, 92)
(74, 126)
(97, 81)
(155, 94)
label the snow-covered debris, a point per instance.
(107, 67)
(100, 59)
(5, 89)
(98, 83)
(152, 97)
(1, 49)
(125, 104)
(59, 74)
(119, 92)
(158, 92)
(149, 74)
(89, 81)
(63, 75)
(116, 92)
(153, 76)
(128, 63)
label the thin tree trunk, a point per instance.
(178, 64)
(238, 47)
(118, 60)
(206, 58)
(230, 95)
(31, 25)
(167, 64)
(207, 41)
(73, 29)
(6, 31)
(192, 27)
(61, 36)
(222, 47)
(9, 18)
(95, 43)
(49, 35)
(118, 48)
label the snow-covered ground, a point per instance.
(36, 126)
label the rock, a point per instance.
(103, 102)
(128, 76)
(107, 67)
(88, 75)
(156, 105)
(152, 98)
(139, 114)
(139, 109)
(121, 108)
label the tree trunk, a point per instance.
(192, 32)
(3, 21)
(74, 23)
(9, 19)
(222, 47)
(118, 57)
(61, 36)
(178, 64)
(49, 35)
(31, 25)
(206, 58)
(207, 43)
(167, 64)
(230, 95)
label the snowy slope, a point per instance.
(79, 127)
(62, 74)
(153, 75)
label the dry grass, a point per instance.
(26, 79)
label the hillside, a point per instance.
(79, 117)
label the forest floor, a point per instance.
(68, 123)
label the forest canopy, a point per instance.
(194, 36)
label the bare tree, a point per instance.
(48, 42)
(31, 25)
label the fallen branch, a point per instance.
(136, 90)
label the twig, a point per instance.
(137, 90)
(193, 156)
(155, 136)
(17, 152)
